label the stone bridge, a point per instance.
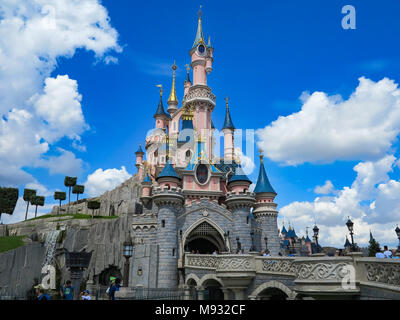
(236, 276)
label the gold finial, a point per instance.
(200, 12)
(187, 68)
(227, 102)
(261, 156)
(307, 231)
(172, 97)
(209, 42)
(161, 88)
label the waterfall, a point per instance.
(50, 245)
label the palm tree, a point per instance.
(37, 201)
(69, 182)
(93, 205)
(28, 193)
(60, 195)
(78, 189)
(8, 200)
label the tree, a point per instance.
(28, 193)
(60, 195)
(93, 205)
(37, 201)
(78, 189)
(69, 182)
(373, 248)
(8, 200)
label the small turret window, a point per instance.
(163, 223)
(202, 173)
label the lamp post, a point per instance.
(397, 230)
(76, 262)
(128, 252)
(350, 225)
(316, 232)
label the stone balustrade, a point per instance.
(311, 275)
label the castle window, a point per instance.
(188, 154)
(202, 173)
(248, 218)
(163, 223)
(173, 252)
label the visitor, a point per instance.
(40, 294)
(67, 291)
(85, 295)
(380, 255)
(267, 253)
(387, 252)
(115, 284)
(394, 256)
(214, 252)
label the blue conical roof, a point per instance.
(228, 123)
(168, 171)
(140, 150)
(308, 239)
(188, 77)
(263, 184)
(371, 238)
(239, 175)
(284, 230)
(160, 110)
(347, 243)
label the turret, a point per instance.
(265, 210)
(201, 56)
(228, 129)
(168, 176)
(188, 83)
(239, 182)
(139, 160)
(172, 100)
(160, 116)
(146, 188)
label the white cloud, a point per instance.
(327, 188)
(246, 162)
(37, 110)
(41, 190)
(66, 163)
(328, 128)
(372, 202)
(101, 180)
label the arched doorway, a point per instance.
(212, 290)
(111, 271)
(272, 294)
(204, 239)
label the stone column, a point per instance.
(240, 293)
(226, 294)
(240, 205)
(267, 216)
(169, 202)
(200, 292)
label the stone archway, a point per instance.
(212, 287)
(104, 276)
(273, 290)
(204, 236)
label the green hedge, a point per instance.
(10, 243)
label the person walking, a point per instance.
(67, 291)
(40, 293)
(85, 295)
(115, 284)
(387, 252)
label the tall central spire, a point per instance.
(173, 100)
(199, 35)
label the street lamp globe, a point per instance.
(316, 231)
(397, 230)
(349, 225)
(128, 248)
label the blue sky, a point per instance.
(267, 53)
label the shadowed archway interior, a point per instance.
(204, 239)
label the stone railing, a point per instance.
(311, 275)
(276, 265)
(201, 261)
(379, 272)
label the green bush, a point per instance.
(8, 200)
(10, 243)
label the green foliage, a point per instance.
(78, 189)
(70, 181)
(10, 243)
(37, 201)
(60, 195)
(28, 193)
(8, 200)
(93, 204)
(373, 248)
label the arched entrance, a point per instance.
(204, 239)
(272, 294)
(111, 271)
(212, 290)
